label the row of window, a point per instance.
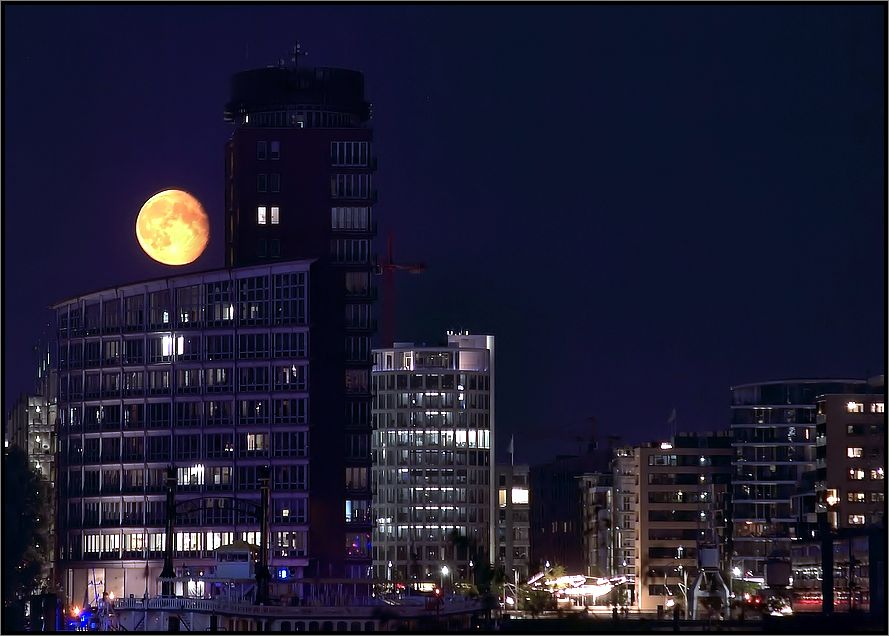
(268, 182)
(858, 451)
(858, 474)
(161, 348)
(211, 412)
(858, 407)
(266, 214)
(188, 446)
(287, 377)
(861, 497)
(115, 481)
(285, 544)
(211, 303)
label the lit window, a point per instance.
(876, 473)
(831, 497)
(501, 497)
(854, 451)
(856, 520)
(520, 495)
(260, 215)
(855, 407)
(856, 497)
(856, 474)
(275, 215)
(877, 407)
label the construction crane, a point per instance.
(387, 269)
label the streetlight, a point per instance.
(444, 572)
(389, 573)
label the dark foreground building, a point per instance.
(299, 185)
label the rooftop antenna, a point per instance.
(296, 52)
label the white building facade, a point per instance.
(434, 469)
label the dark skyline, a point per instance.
(645, 204)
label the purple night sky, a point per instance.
(645, 204)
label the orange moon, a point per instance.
(173, 228)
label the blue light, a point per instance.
(283, 573)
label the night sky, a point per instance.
(645, 204)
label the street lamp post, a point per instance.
(444, 573)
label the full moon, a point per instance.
(173, 228)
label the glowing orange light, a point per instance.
(173, 228)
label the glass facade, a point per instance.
(773, 431)
(433, 468)
(208, 373)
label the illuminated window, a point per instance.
(856, 474)
(260, 215)
(520, 495)
(855, 407)
(856, 520)
(856, 497)
(501, 497)
(276, 217)
(877, 407)
(854, 451)
(876, 473)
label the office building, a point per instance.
(624, 516)
(298, 185)
(773, 426)
(850, 458)
(433, 469)
(557, 519)
(597, 501)
(513, 521)
(681, 490)
(208, 372)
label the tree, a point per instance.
(26, 514)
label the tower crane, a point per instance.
(387, 269)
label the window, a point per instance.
(289, 477)
(350, 186)
(275, 248)
(290, 444)
(877, 407)
(275, 182)
(876, 473)
(856, 520)
(877, 497)
(350, 250)
(190, 475)
(262, 183)
(854, 451)
(276, 215)
(356, 478)
(348, 153)
(290, 345)
(261, 149)
(254, 444)
(219, 347)
(261, 215)
(856, 497)
(855, 407)
(856, 474)
(275, 150)
(662, 460)
(349, 218)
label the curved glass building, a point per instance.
(773, 430)
(209, 373)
